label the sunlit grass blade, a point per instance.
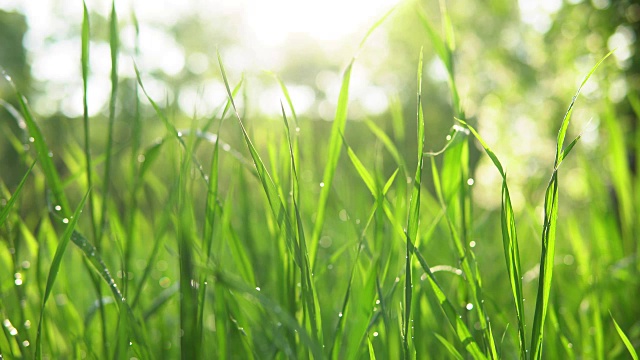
(509, 242)
(7, 208)
(549, 229)
(55, 267)
(625, 339)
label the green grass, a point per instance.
(211, 243)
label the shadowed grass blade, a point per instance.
(5, 210)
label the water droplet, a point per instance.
(375, 333)
(322, 184)
(397, 279)
(141, 158)
(58, 207)
(378, 302)
(472, 244)
(130, 343)
(31, 139)
(469, 306)
(340, 314)
(65, 220)
(226, 147)
(258, 288)
(470, 181)
(27, 324)
(26, 343)
(50, 154)
(448, 137)
(179, 134)
(297, 129)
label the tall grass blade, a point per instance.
(549, 229)
(55, 267)
(509, 242)
(414, 216)
(114, 47)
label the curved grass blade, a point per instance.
(509, 242)
(5, 210)
(625, 339)
(55, 267)
(549, 229)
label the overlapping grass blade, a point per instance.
(55, 267)
(449, 346)
(295, 238)
(509, 242)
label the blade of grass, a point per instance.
(625, 339)
(549, 229)
(5, 210)
(413, 219)
(509, 242)
(55, 267)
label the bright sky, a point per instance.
(267, 23)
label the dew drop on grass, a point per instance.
(58, 207)
(257, 288)
(375, 334)
(179, 134)
(226, 147)
(26, 343)
(31, 139)
(297, 129)
(322, 184)
(448, 137)
(340, 314)
(469, 306)
(470, 181)
(50, 154)
(18, 279)
(27, 324)
(65, 220)
(378, 302)
(141, 158)
(472, 244)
